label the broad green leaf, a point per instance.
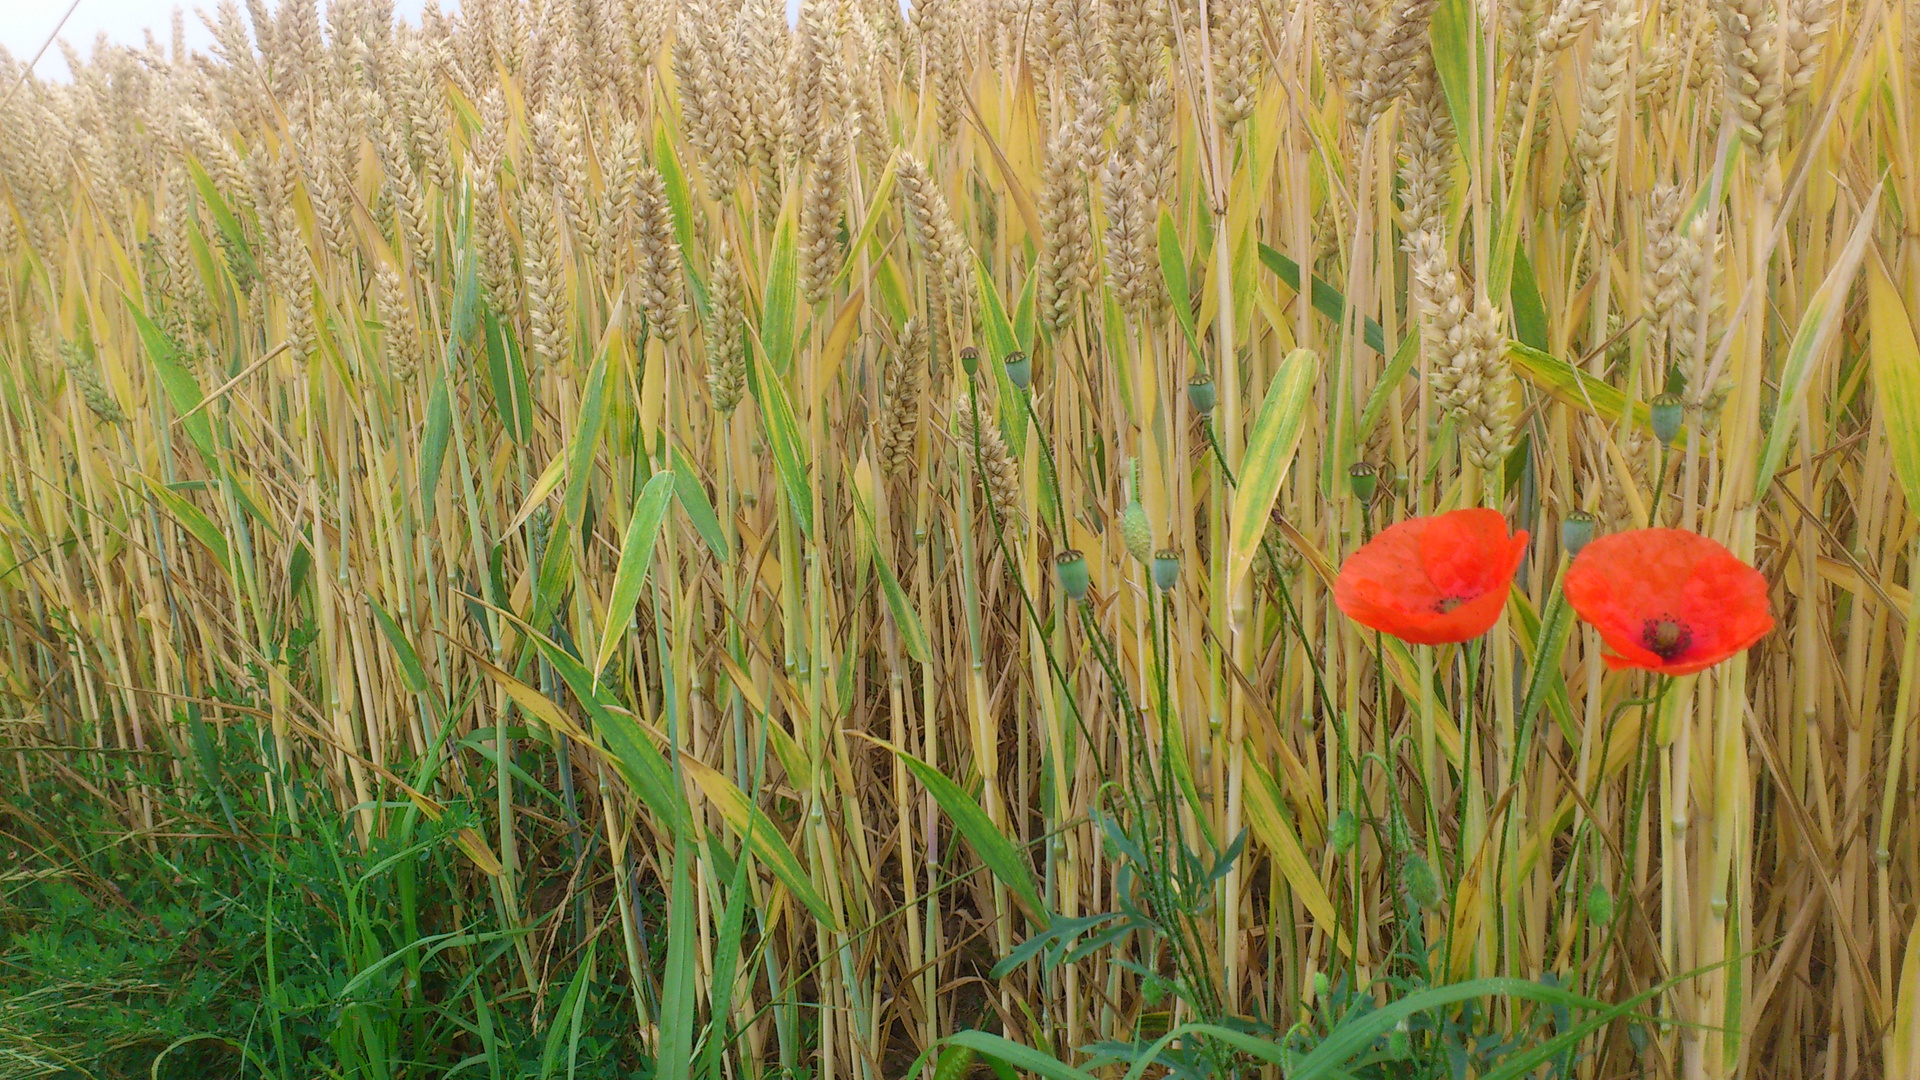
(1000, 855)
(586, 442)
(411, 670)
(679, 983)
(1397, 368)
(507, 374)
(433, 446)
(217, 206)
(179, 384)
(693, 499)
(1529, 310)
(570, 1007)
(1455, 37)
(758, 832)
(1024, 1058)
(1024, 314)
(905, 620)
(1270, 449)
(1173, 267)
(783, 437)
(196, 523)
(679, 197)
(466, 296)
(1326, 299)
(1896, 377)
(780, 309)
(639, 762)
(1359, 1030)
(1818, 323)
(1574, 387)
(636, 554)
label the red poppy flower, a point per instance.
(1433, 580)
(1668, 600)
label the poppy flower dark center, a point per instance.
(1666, 637)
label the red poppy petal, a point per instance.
(1465, 552)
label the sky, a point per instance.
(25, 24)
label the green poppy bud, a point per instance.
(1072, 568)
(1019, 370)
(1166, 569)
(1577, 530)
(1667, 411)
(970, 360)
(1322, 987)
(1343, 832)
(1423, 888)
(1154, 989)
(1137, 533)
(1201, 394)
(1600, 906)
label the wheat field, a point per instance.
(828, 529)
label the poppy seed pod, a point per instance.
(1577, 530)
(1666, 412)
(1202, 395)
(1364, 479)
(970, 360)
(1137, 532)
(1019, 370)
(1166, 569)
(1072, 568)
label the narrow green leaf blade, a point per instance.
(781, 306)
(1326, 299)
(636, 554)
(586, 442)
(182, 390)
(411, 670)
(1896, 377)
(783, 436)
(1270, 449)
(1002, 858)
(1818, 323)
(679, 984)
(757, 830)
(433, 446)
